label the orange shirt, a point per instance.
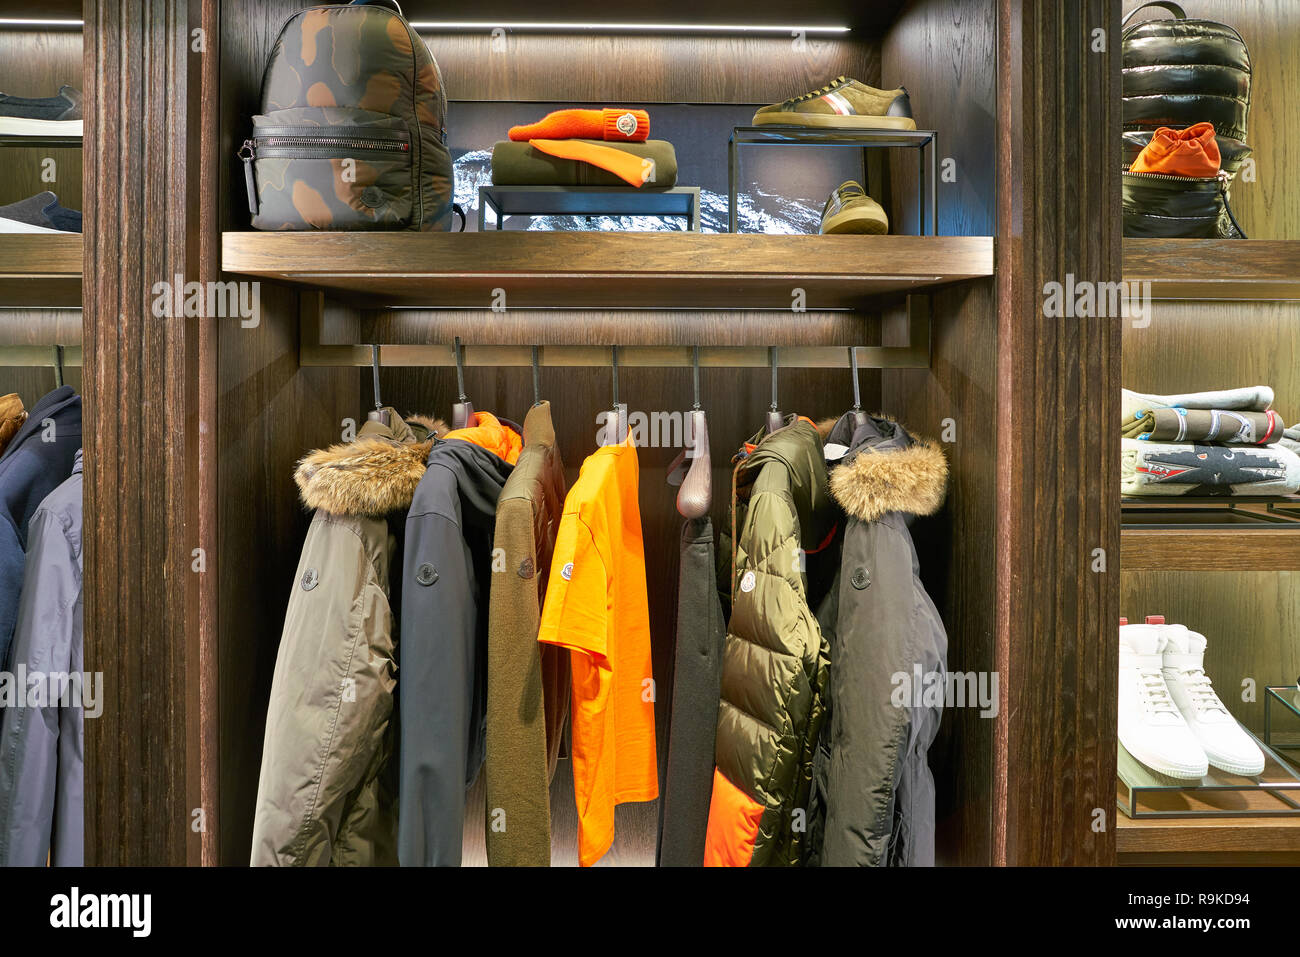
(596, 606)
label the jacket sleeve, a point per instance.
(518, 823)
(40, 747)
(438, 685)
(331, 695)
(882, 637)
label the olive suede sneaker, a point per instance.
(850, 210)
(843, 104)
(47, 116)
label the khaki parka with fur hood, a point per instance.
(327, 791)
(874, 795)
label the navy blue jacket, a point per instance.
(34, 464)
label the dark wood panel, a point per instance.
(1243, 838)
(641, 69)
(942, 51)
(140, 595)
(40, 270)
(1214, 268)
(1225, 549)
(863, 16)
(1268, 208)
(1058, 496)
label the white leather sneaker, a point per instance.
(1226, 743)
(1151, 728)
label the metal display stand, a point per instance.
(589, 201)
(1143, 793)
(865, 140)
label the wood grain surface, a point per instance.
(611, 270)
(1058, 392)
(140, 471)
(1250, 269)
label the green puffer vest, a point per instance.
(776, 659)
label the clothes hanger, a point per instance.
(58, 367)
(774, 418)
(859, 417)
(537, 377)
(619, 411)
(378, 413)
(696, 494)
(462, 413)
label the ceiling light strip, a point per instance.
(579, 27)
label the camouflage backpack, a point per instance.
(351, 134)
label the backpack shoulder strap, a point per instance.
(1173, 8)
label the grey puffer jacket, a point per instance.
(873, 779)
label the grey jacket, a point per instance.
(874, 779)
(446, 572)
(41, 747)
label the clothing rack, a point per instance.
(38, 356)
(312, 352)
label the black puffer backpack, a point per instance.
(1182, 71)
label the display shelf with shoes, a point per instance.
(1144, 793)
(926, 142)
(676, 202)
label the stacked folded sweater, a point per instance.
(1205, 443)
(605, 147)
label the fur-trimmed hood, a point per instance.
(886, 470)
(373, 475)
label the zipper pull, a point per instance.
(247, 152)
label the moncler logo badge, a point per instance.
(747, 583)
(567, 571)
(626, 124)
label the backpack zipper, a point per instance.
(325, 147)
(328, 143)
(1222, 176)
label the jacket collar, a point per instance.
(48, 406)
(797, 447)
(538, 427)
(373, 475)
(489, 432)
(886, 469)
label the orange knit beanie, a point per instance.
(605, 124)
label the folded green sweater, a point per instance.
(519, 164)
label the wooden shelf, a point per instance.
(1207, 836)
(1241, 548)
(1261, 269)
(608, 270)
(40, 269)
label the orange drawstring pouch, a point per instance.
(1189, 152)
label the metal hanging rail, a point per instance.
(38, 356)
(914, 355)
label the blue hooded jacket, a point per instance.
(34, 464)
